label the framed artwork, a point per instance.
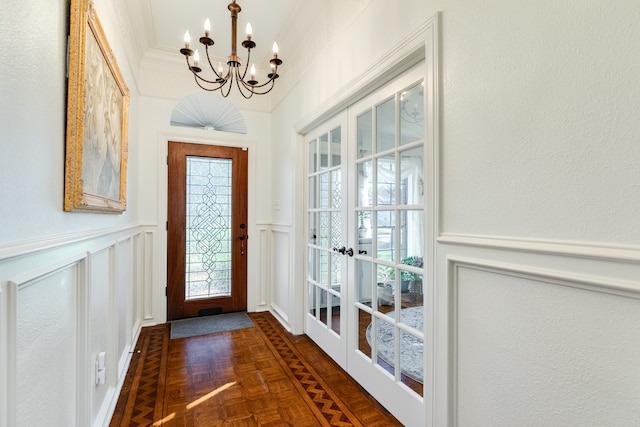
(97, 119)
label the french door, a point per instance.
(206, 230)
(366, 243)
(328, 244)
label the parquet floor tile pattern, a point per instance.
(261, 376)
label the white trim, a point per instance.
(19, 248)
(404, 55)
(545, 246)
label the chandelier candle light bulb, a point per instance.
(187, 39)
(236, 70)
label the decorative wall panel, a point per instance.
(555, 351)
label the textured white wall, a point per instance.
(33, 121)
(46, 353)
(532, 353)
(540, 119)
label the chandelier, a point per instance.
(221, 80)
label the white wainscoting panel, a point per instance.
(124, 295)
(534, 349)
(281, 275)
(47, 347)
(62, 302)
(263, 275)
(149, 268)
(100, 283)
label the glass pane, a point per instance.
(336, 189)
(385, 235)
(364, 332)
(336, 264)
(335, 314)
(324, 190)
(412, 114)
(335, 147)
(313, 228)
(312, 299)
(411, 238)
(385, 287)
(312, 193)
(208, 227)
(365, 184)
(323, 280)
(365, 131)
(312, 272)
(412, 361)
(324, 151)
(386, 180)
(364, 233)
(411, 177)
(363, 291)
(385, 345)
(313, 156)
(414, 298)
(385, 126)
(336, 230)
(324, 305)
(323, 236)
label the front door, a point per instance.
(206, 230)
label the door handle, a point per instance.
(349, 251)
(242, 237)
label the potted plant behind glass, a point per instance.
(413, 280)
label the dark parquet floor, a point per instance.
(260, 376)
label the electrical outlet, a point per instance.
(101, 372)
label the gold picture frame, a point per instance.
(97, 119)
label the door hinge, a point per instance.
(167, 226)
(166, 291)
(167, 160)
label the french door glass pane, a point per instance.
(363, 289)
(365, 184)
(324, 190)
(385, 235)
(386, 126)
(312, 193)
(386, 180)
(324, 151)
(335, 147)
(335, 313)
(365, 132)
(336, 185)
(313, 156)
(313, 228)
(312, 272)
(412, 114)
(412, 176)
(364, 332)
(208, 228)
(385, 345)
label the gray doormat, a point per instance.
(210, 324)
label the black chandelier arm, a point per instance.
(246, 65)
(206, 50)
(252, 88)
(271, 80)
(242, 87)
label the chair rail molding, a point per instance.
(600, 251)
